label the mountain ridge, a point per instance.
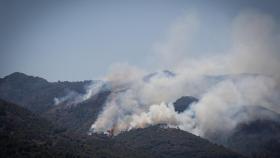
(24, 134)
(38, 97)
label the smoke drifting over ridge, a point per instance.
(73, 97)
(230, 86)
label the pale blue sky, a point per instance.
(68, 40)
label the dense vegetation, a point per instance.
(23, 134)
(173, 143)
(80, 117)
(34, 93)
(37, 95)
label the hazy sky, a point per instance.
(79, 40)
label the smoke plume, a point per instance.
(73, 97)
(232, 86)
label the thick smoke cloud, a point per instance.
(226, 104)
(236, 86)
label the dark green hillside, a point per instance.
(23, 134)
(173, 143)
(80, 117)
(35, 93)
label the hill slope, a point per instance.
(258, 139)
(172, 143)
(35, 93)
(23, 134)
(77, 118)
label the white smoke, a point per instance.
(221, 108)
(227, 85)
(73, 97)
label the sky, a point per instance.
(81, 40)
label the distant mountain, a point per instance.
(257, 138)
(159, 74)
(166, 142)
(35, 93)
(184, 103)
(23, 134)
